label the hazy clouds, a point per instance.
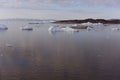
(60, 9)
(53, 4)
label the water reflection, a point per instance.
(36, 55)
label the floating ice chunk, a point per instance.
(26, 28)
(97, 23)
(55, 28)
(100, 23)
(87, 24)
(75, 25)
(3, 27)
(92, 24)
(9, 45)
(69, 29)
(60, 29)
(90, 28)
(115, 29)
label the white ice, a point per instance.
(9, 45)
(61, 29)
(75, 25)
(92, 24)
(87, 24)
(90, 28)
(115, 29)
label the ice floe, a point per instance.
(115, 29)
(9, 45)
(62, 29)
(70, 29)
(55, 28)
(92, 24)
(87, 24)
(26, 28)
(75, 25)
(3, 27)
(90, 28)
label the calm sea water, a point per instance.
(42, 55)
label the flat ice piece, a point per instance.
(3, 27)
(62, 29)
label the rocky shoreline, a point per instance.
(103, 21)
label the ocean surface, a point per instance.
(42, 55)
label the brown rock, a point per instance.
(79, 27)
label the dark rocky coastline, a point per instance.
(110, 21)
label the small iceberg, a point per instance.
(3, 27)
(9, 45)
(87, 24)
(69, 29)
(115, 29)
(55, 28)
(61, 29)
(92, 24)
(75, 25)
(27, 28)
(89, 28)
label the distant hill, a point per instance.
(110, 21)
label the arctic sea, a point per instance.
(40, 54)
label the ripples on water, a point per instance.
(39, 55)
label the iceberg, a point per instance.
(115, 29)
(55, 28)
(75, 25)
(26, 28)
(90, 28)
(61, 29)
(98, 25)
(9, 45)
(69, 29)
(3, 27)
(87, 24)
(92, 24)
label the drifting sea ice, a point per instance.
(115, 29)
(26, 28)
(61, 29)
(9, 45)
(92, 24)
(3, 27)
(87, 24)
(90, 28)
(75, 25)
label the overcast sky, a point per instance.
(60, 9)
